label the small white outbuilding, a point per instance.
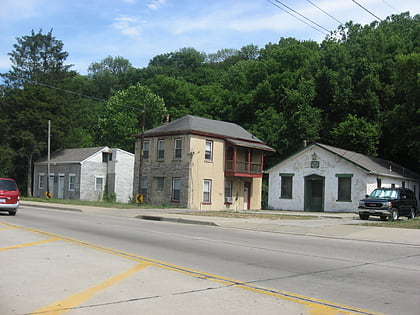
(325, 178)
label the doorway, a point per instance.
(314, 193)
(247, 195)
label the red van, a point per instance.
(9, 196)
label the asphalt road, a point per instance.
(53, 259)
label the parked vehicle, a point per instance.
(389, 203)
(9, 196)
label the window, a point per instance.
(160, 183)
(106, 157)
(176, 189)
(99, 183)
(144, 186)
(178, 149)
(344, 187)
(72, 182)
(146, 148)
(209, 151)
(161, 150)
(207, 191)
(286, 185)
(228, 191)
(41, 181)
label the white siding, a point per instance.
(123, 162)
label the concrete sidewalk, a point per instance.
(331, 225)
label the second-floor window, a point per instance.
(146, 148)
(161, 150)
(209, 150)
(178, 148)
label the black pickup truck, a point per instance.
(389, 203)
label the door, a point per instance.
(247, 189)
(60, 194)
(314, 193)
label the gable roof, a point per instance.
(210, 127)
(71, 155)
(371, 165)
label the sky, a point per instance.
(139, 30)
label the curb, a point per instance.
(174, 220)
(54, 207)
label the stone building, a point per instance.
(201, 164)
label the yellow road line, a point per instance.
(28, 244)
(313, 305)
(7, 228)
(67, 304)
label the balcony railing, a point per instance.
(250, 168)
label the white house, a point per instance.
(86, 174)
(325, 178)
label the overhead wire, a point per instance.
(75, 93)
(296, 17)
(322, 10)
(377, 17)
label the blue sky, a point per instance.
(138, 30)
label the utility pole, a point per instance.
(48, 193)
(139, 197)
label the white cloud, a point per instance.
(156, 4)
(130, 26)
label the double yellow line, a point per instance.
(313, 306)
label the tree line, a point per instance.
(358, 89)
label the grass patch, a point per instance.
(401, 223)
(251, 215)
(103, 204)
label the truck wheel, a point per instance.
(363, 216)
(412, 214)
(394, 215)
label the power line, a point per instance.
(367, 10)
(75, 93)
(392, 7)
(330, 15)
(276, 5)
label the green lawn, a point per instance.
(104, 204)
(403, 223)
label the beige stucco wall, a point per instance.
(214, 170)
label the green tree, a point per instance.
(123, 116)
(357, 134)
(110, 75)
(37, 62)
(37, 58)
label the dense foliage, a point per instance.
(358, 89)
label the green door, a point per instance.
(314, 193)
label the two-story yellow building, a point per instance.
(201, 164)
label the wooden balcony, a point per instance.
(243, 169)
